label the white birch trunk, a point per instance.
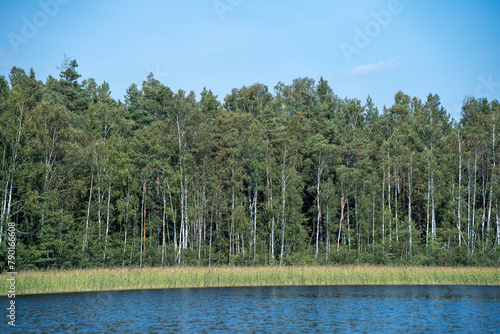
(254, 222)
(163, 221)
(409, 203)
(341, 218)
(272, 241)
(383, 207)
(473, 228)
(99, 219)
(107, 220)
(468, 206)
(483, 218)
(389, 201)
(327, 227)
(231, 230)
(283, 199)
(433, 209)
(396, 205)
(348, 225)
(85, 238)
(459, 191)
(318, 207)
(498, 224)
(488, 224)
(373, 221)
(428, 210)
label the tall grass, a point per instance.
(54, 281)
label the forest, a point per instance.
(293, 175)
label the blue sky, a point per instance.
(448, 47)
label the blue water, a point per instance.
(342, 309)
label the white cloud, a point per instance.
(371, 68)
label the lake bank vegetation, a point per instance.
(291, 176)
(108, 279)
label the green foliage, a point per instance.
(298, 177)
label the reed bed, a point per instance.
(57, 281)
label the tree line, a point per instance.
(288, 177)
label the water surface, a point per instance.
(299, 309)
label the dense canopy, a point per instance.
(294, 175)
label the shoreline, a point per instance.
(121, 279)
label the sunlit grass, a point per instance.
(54, 281)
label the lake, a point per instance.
(297, 309)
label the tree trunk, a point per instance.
(182, 222)
(107, 220)
(200, 230)
(389, 203)
(144, 218)
(348, 225)
(327, 228)
(210, 242)
(163, 218)
(283, 199)
(492, 179)
(99, 199)
(459, 191)
(483, 218)
(231, 229)
(13, 164)
(4, 215)
(383, 207)
(358, 228)
(124, 247)
(143, 225)
(468, 206)
(270, 206)
(341, 219)
(85, 239)
(126, 225)
(473, 228)
(373, 220)
(186, 218)
(433, 209)
(396, 205)
(410, 174)
(498, 224)
(272, 242)
(428, 210)
(255, 222)
(174, 218)
(318, 207)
